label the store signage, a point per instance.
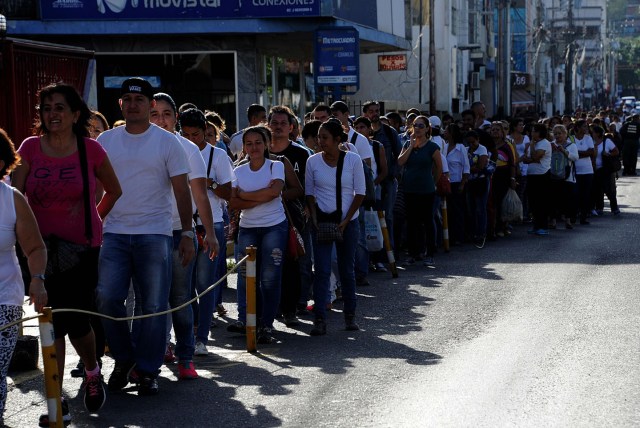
(337, 57)
(392, 62)
(175, 9)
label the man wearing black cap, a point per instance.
(137, 243)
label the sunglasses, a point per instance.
(419, 125)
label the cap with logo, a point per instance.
(137, 85)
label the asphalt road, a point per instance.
(529, 331)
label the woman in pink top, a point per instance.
(51, 178)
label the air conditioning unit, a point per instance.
(475, 80)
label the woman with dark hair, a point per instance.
(60, 168)
(520, 141)
(323, 194)
(538, 159)
(257, 192)
(504, 177)
(604, 179)
(97, 124)
(478, 188)
(422, 163)
(458, 163)
(17, 223)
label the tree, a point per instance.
(629, 65)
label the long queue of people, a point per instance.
(136, 218)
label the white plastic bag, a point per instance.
(373, 231)
(511, 207)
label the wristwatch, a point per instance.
(187, 234)
(38, 276)
(214, 186)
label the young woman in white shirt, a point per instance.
(320, 190)
(604, 180)
(256, 191)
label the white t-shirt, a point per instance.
(197, 167)
(478, 152)
(320, 182)
(267, 214)
(608, 147)
(520, 149)
(11, 285)
(584, 165)
(539, 168)
(362, 145)
(235, 145)
(144, 164)
(221, 172)
(457, 161)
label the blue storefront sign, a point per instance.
(175, 9)
(337, 57)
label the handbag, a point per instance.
(443, 186)
(329, 224)
(295, 243)
(610, 163)
(373, 231)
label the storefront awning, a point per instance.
(522, 98)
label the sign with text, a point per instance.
(392, 62)
(337, 57)
(519, 80)
(176, 9)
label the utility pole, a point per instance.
(568, 78)
(507, 59)
(420, 75)
(432, 59)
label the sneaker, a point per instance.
(408, 262)
(479, 242)
(187, 371)
(94, 393)
(237, 327)
(168, 355)
(500, 234)
(350, 324)
(594, 213)
(568, 225)
(290, 320)
(319, 328)
(148, 385)
(380, 267)
(222, 311)
(616, 212)
(79, 370)
(265, 336)
(201, 349)
(428, 261)
(120, 375)
(542, 232)
(66, 416)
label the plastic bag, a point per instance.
(373, 231)
(511, 207)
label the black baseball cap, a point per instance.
(137, 85)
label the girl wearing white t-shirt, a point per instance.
(538, 158)
(320, 189)
(584, 168)
(256, 191)
(604, 180)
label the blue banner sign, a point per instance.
(175, 9)
(337, 57)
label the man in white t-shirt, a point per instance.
(164, 114)
(137, 243)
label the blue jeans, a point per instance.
(145, 259)
(390, 192)
(179, 294)
(271, 243)
(346, 266)
(478, 195)
(207, 272)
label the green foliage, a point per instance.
(616, 9)
(629, 64)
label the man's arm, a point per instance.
(182, 194)
(199, 192)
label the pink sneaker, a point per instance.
(186, 370)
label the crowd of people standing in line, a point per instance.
(136, 218)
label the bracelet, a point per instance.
(187, 234)
(39, 276)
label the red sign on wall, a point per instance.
(392, 62)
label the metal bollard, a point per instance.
(387, 245)
(445, 225)
(250, 270)
(50, 363)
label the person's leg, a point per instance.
(272, 246)
(114, 279)
(415, 225)
(8, 314)
(180, 293)
(207, 272)
(152, 281)
(305, 264)
(322, 265)
(597, 189)
(609, 188)
(362, 254)
(426, 202)
(290, 289)
(346, 265)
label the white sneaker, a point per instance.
(380, 267)
(201, 349)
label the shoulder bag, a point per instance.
(328, 224)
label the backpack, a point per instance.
(560, 165)
(370, 194)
